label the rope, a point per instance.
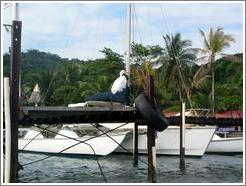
(7, 6)
(137, 25)
(65, 47)
(34, 137)
(118, 143)
(95, 155)
(173, 48)
(98, 25)
(97, 162)
(149, 19)
(79, 141)
(52, 79)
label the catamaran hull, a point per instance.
(226, 145)
(167, 142)
(102, 145)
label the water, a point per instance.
(118, 168)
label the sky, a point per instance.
(81, 30)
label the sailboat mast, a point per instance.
(128, 41)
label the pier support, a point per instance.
(149, 92)
(135, 144)
(7, 132)
(14, 95)
(182, 137)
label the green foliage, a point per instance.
(141, 53)
(229, 84)
(110, 55)
(178, 64)
(64, 81)
(214, 43)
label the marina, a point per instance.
(86, 134)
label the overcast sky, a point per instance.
(79, 30)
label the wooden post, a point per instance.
(182, 137)
(7, 131)
(135, 144)
(14, 94)
(149, 92)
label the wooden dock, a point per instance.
(53, 115)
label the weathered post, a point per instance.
(135, 144)
(7, 131)
(182, 137)
(14, 94)
(149, 92)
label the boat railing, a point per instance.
(198, 112)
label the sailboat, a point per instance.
(69, 141)
(168, 140)
(197, 139)
(225, 145)
(227, 140)
(222, 145)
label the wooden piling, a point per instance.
(182, 137)
(149, 92)
(135, 144)
(7, 131)
(14, 94)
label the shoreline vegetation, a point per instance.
(63, 81)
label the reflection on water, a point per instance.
(118, 168)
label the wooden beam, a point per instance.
(14, 94)
(7, 131)
(53, 115)
(149, 92)
(182, 137)
(135, 144)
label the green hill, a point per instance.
(63, 81)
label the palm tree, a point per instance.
(178, 62)
(214, 43)
(139, 75)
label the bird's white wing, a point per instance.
(119, 84)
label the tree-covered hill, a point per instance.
(63, 81)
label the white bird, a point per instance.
(120, 83)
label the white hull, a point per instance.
(167, 143)
(225, 145)
(102, 145)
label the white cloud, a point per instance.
(80, 30)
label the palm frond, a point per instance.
(205, 41)
(200, 76)
(202, 60)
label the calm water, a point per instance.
(118, 168)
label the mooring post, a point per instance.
(182, 137)
(14, 94)
(149, 92)
(7, 131)
(135, 144)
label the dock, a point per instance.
(52, 115)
